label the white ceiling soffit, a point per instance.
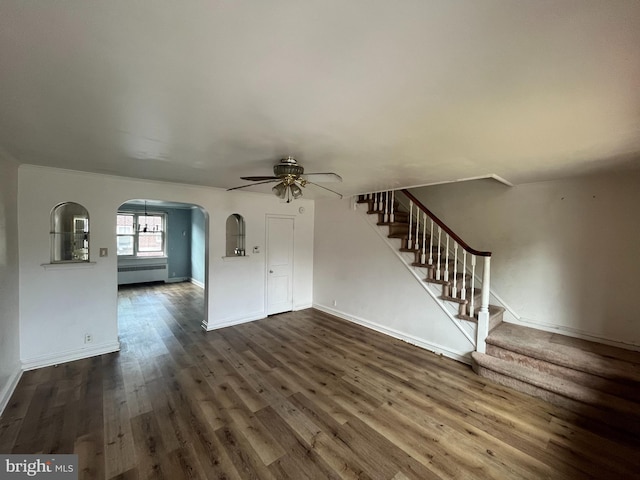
(387, 94)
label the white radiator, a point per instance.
(140, 272)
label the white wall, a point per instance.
(9, 318)
(58, 306)
(355, 268)
(198, 228)
(566, 253)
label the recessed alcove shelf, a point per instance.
(67, 265)
(234, 258)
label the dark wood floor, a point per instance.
(300, 395)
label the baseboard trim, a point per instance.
(302, 307)
(197, 283)
(575, 333)
(8, 390)
(418, 342)
(231, 322)
(177, 280)
(69, 356)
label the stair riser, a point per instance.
(622, 390)
(398, 229)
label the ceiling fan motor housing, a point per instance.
(288, 166)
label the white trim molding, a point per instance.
(302, 307)
(229, 322)
(69, 356)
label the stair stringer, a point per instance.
(467, 328)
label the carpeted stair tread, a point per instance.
(590, 357)
(494, 312)
(560, 386)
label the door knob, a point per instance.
(270, 271)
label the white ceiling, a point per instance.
(386, 94)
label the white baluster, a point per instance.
(392, 217)
(385, 217)
(439, 253)
(423, 257)
(463, 288)
(379, 208)
(472, 305)
(410, 220)
(417, 242)
(446, 261)
(431, 245)
(455, 270)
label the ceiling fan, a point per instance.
(291, 177)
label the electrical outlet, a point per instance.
(335, 303)
(88, 338)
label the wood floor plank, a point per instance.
(301, 461)
(382, 453)
(294, 396)
(90, 450)
(244, 458)
(150, 449)
(259, 437)
(191, 426)
(31, 435)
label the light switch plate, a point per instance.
(104, 252)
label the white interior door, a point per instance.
(279, 265)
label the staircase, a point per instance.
(600, 382)
(446, 260)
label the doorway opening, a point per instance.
(162, 250)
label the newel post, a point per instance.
(483, 314)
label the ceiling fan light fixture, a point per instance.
(280, 190)
(296, 191)
(288, 166)
(289, 180)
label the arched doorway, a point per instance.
(162, 273)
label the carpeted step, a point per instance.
(606, 409)
(560, 391)
(582, 355)
(628, 390)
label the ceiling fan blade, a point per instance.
(322, 177)
(253, 184)
(258, 179)
(332, 191)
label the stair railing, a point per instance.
(441, 255)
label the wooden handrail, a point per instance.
(440, 223)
